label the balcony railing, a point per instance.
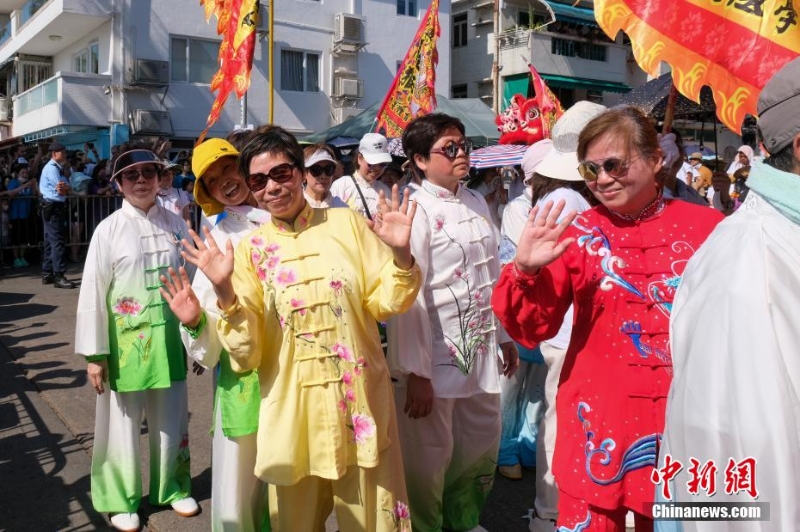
(5, 32)
(37, 97)
(30, 8)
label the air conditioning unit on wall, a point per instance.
(148, 122)
(150, 72)
(348, 88)
(348, 29)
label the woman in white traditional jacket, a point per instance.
(238, 497)
(131, 341)
(443, 351)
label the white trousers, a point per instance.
(238, 497)
(546, 503)
(116, 456)
(449, 459)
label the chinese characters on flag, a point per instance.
(413, 92)
(733, 46)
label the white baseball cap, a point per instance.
(561, 162)
(375, 149)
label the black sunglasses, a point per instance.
(613, 166)
(318, 169)
(133, 175)
(280, 174)
(450, 150)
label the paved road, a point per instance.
(47, 422)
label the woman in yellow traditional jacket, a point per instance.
(299, 300)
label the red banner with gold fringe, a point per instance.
(413, 91)
(733, 46)
(236, 22)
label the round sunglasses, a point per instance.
(280, 174)
(450, 150)
(614, 167)
(318, 169)
(132, 176)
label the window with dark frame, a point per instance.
(460, 30)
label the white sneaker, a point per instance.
(125, 522)
(186, 507)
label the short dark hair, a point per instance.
(784, 160)
(273, 140)
(421, 134)
(239, 138)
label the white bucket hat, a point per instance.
(562, 161)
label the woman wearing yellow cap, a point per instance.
(238, 498)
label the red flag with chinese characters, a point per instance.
(549, 106)
(733, 46)
(413, 91)
(236, 22)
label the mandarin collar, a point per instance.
(136, 212)
(441, 192)
(300, 223)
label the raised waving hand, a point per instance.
(539, 243)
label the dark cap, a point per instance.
(56, 146)
(779, 108)
(130, 158)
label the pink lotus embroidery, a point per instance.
(452, 350)
(296, 303)
(361, 362)
(350, 395)
(357, 371)
(478, 296)
(336, 286)
(272, 262)
(261, 273)
(257, 241)
(347, 378)
(285, 276)
(438, 223)
(127, 306)
(401, 511)
(363, 428)
(141, 336)
(461, 274)
(272, 248)
(342, 352)
(255, 256)
(342, 406)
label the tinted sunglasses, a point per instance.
(133, 175)
(613, 166)
(380, 166)
(450, 150)
(280, 174)
(317, 170)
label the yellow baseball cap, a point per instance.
(203, 157)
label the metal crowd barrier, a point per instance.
(24, 230)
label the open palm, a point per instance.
(183, 302)
(393, 222)
(212, 261)
(539, 243)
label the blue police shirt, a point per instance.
(51, 174)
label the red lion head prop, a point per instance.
(521, 122)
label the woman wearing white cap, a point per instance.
(361, 190)
(132, 344)
(619, 265)
(320, 168)
(238, 497)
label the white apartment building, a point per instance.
(105, 70)
(573, 55)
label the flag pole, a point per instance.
(271, 63)
(496, 62)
